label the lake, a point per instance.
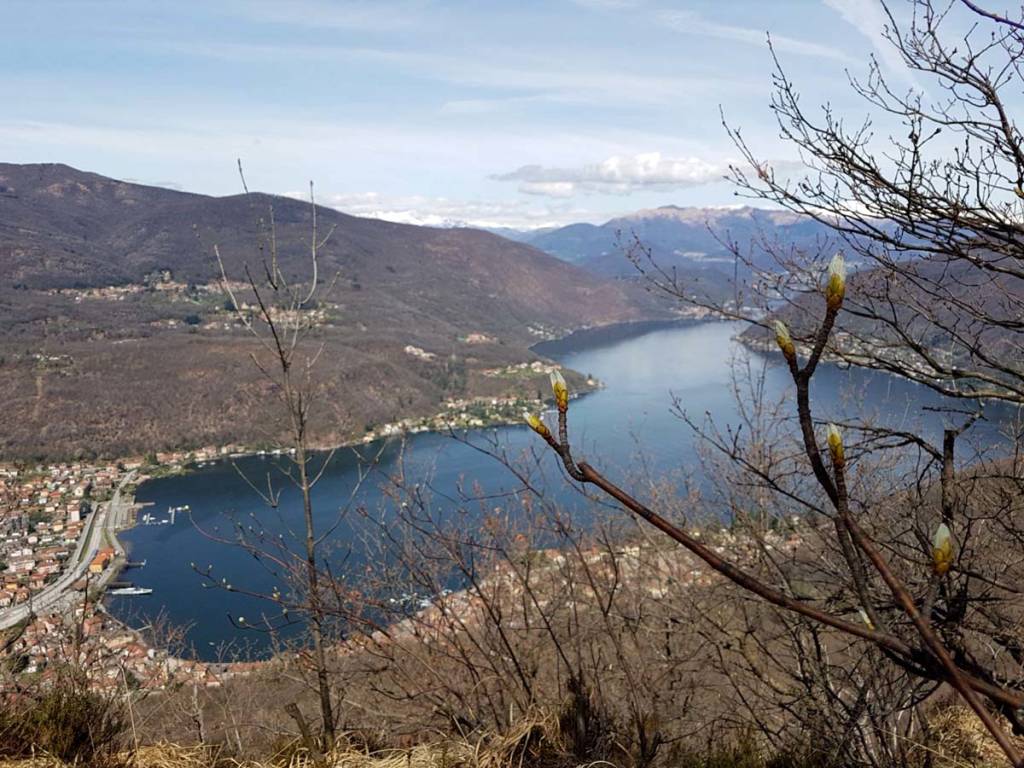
(629, 425)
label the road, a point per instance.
(58, 596)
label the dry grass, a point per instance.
(534, 743)
(959, 740)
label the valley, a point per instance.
(115, 338)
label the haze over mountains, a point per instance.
(685, 238)
(115, 338)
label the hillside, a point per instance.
(114, 335)
(936, 319)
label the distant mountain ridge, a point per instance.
(686, 238)
(95, 357)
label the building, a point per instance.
(102, 560)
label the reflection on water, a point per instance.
(628, 425)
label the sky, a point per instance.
(519, 114)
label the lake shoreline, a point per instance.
(181, 462)
(598, 336)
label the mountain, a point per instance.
(687, 239)
(114, 335)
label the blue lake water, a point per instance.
(625, 427)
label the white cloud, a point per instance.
(869, 18)
(693, 23)
(320, 14)
(620, 174)
(446, 212)
(305, 148)
(548, 188)
(544, 78)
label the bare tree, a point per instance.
(933, 223)
(274, 309)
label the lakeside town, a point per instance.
(44, 508)
(47, 511)
(43, 511)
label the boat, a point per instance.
(131, 591)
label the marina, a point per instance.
(172, 513)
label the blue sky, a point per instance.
(491, 113)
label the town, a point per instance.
(59, 551)
(43, 511)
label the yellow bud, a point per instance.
(865, 618)
(835, 445)
(835, 289)
(1018, 191)
(537, 425)
(784, 340)
(560, 389)
(942, 549)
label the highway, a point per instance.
(100, 532)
